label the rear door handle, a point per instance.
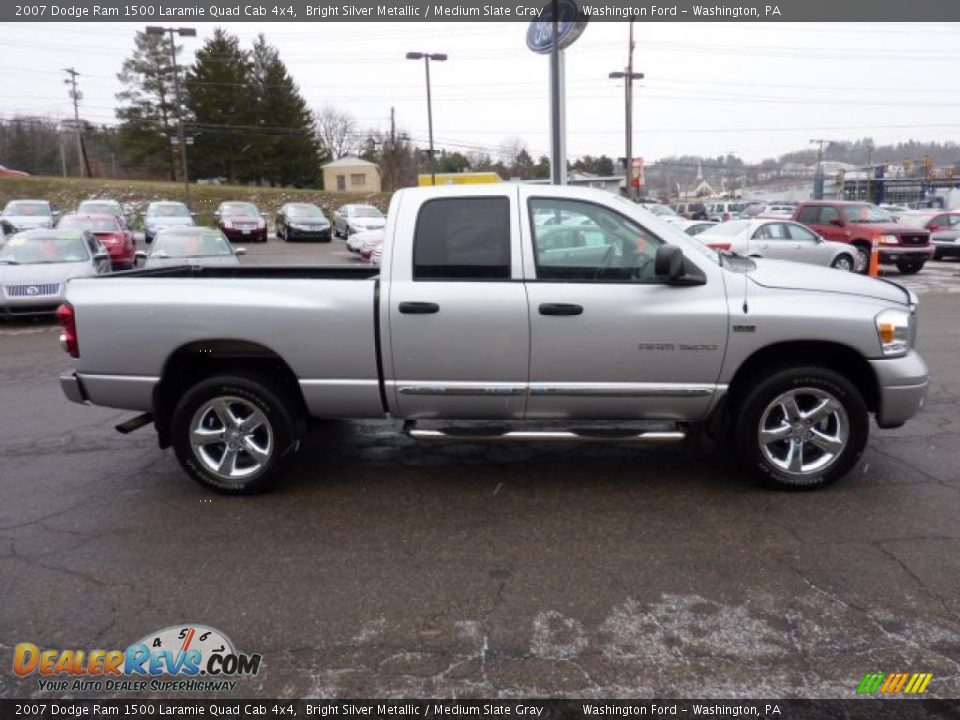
(560, 309)
(419, 308)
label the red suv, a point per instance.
(859, 224)
(110, 231)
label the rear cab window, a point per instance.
(462, 238)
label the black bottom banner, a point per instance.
(867, 709)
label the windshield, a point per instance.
(19, 207)
(168, 210)
(23, 250)
(238, 208)
(364, 211)
(305, 211)
(734, 227)
(190, 245)
(95, 225)
(98, 207)
(662, 210)
(865, 214)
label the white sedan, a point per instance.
(778, 239)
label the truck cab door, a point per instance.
(608, 339)
(456, 321)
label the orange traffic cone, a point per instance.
(874, 268)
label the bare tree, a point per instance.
(337, 131)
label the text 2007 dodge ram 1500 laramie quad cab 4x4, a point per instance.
(517, 305)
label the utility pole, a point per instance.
(182, 32)
(818, 180)
(75, 95)
(628, 77)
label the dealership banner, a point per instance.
(477, 10)
(511, 709)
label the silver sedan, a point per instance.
(778, 239)
(204, 246)
(36, 265)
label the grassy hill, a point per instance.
(134, 195)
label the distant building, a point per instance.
(351, 174)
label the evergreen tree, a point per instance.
(286, 151)
(218, 95)
(148, 119)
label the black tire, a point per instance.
(844, 262)
(242, 392)
(863, 250)
(910, 267)
(757, 408)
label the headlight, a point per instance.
(893, 329)
(888, 239)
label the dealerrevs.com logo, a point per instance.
(180, 658)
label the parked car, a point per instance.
(28, 215)
(111, 233)
(302, 221)
(35, 266)
(103, 206)
(691, 210)
(202, 246)
(354, 218)
(779, 240)
(358, 242)
(165, 214)
(241, 221)
(776, 211)
(723, 210)
(662, 211)
(695, 227)
(469, 318)
(859, 223)
(944, 227)
(894, 210)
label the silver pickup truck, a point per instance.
(548, 312)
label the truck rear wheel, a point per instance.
(231, 433)
(802, 428)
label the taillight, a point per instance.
(718, 246)
(68, 338)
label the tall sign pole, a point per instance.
(560, 25)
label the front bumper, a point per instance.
(73, 388)
(320, 234)
(241, 234)
(905, 253)
(947, 248)
(903, 383)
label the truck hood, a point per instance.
(801, 276)
(202, 261)
(893, 228)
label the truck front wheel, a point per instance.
(802, 428)
(231, 433)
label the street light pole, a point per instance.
(427, 57)
(628, 77)
(182, 32)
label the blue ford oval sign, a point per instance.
(570, 26)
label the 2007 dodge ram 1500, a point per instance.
(512, 304)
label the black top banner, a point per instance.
(477, 10)
(866, 709)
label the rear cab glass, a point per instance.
(462, 238)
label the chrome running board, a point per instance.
(650, 437)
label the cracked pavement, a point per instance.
(384, 568)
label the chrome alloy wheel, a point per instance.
(844, 263)
(231, 437)
(803, 431)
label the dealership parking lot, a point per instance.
(384, 567)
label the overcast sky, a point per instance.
(756, 90)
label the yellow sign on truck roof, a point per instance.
(465, 178)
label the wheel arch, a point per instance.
(195, 361)
(834, 356)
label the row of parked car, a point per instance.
(835, 233)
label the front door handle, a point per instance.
(560, 309)
(419, 308)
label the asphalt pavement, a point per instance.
(382, 567)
